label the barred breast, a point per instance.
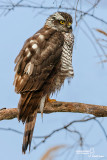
(66, 69)
(66, 59)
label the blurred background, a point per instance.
(20, 19)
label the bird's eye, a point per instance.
(62, 22)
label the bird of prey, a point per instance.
(42, 65)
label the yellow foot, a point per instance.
(50, 100)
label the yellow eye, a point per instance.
(62, 22)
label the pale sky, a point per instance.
(89, 85)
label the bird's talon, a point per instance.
(51, 100)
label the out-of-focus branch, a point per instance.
(7, 7)
(97, 110)
(66, 127)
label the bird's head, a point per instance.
(60, 21)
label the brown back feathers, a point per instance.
(41, 68)
(34, 66)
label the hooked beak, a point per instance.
(70, 27)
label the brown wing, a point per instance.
(36, 60)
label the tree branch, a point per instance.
(7, 7)
(96, 110)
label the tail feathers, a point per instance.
(29, 128)
(23, 103)
(28, 105)
(29, 102)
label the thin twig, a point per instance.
(19, 5)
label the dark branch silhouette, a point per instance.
(7, 7)
(67, 128)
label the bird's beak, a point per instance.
(70, 27)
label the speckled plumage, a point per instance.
(41, 68)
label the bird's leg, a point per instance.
(42, 116)
(50, 100)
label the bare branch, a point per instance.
(62, 128)
(94, 37)
(101, 31)
(49, 154)
(7, 7)
(66, 127)
(97, 110)
(8, 113)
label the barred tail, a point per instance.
(29, 127)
